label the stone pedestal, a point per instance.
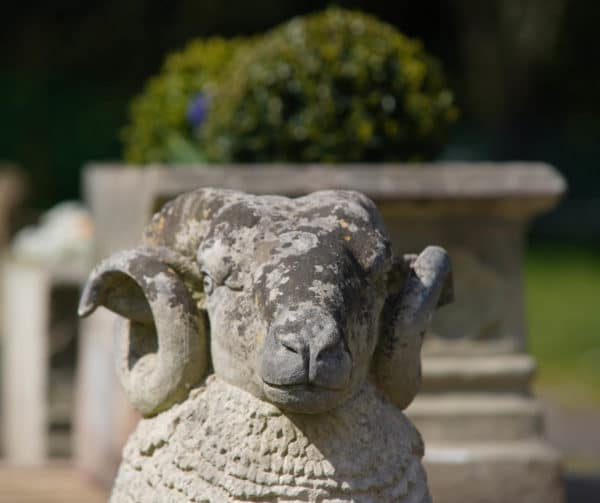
(475, 410)
(483, 430)
(28, 290)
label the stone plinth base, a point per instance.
(484, 438)
(496, 472)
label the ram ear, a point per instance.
(162, 339)
(416, 286)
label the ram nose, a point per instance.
(308, 352)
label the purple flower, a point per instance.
(197, 110)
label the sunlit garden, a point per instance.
(416, 312)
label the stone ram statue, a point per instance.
(270, 344)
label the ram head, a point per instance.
(296, 301)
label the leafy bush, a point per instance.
(163, 116)
(337, 86)
(332, 87)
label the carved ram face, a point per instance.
(296, 301)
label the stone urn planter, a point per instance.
(479, 421)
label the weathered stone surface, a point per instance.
(223, 444)
(469, 417)
(496, 472)
(500, 373)
(63, 238)
(309, 315)
(471, 182)
(485, 431)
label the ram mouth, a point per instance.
(304, 398)
(307, 386)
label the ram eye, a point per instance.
(208, 284)
(234, 282)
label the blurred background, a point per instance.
(525, 78)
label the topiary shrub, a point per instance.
(337, 86)
(173, 103)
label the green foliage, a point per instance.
(563, 288)
(159, 130)
(337, 86)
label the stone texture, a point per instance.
(508, 373)
(315, 333)
(25, 362)
(223, 444)
(485, 431)
(527, 471)
(63, 238)
(468, 417)
(27, 330)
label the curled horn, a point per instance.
(162, 339)
(427, 283)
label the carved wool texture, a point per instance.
(224, 445)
